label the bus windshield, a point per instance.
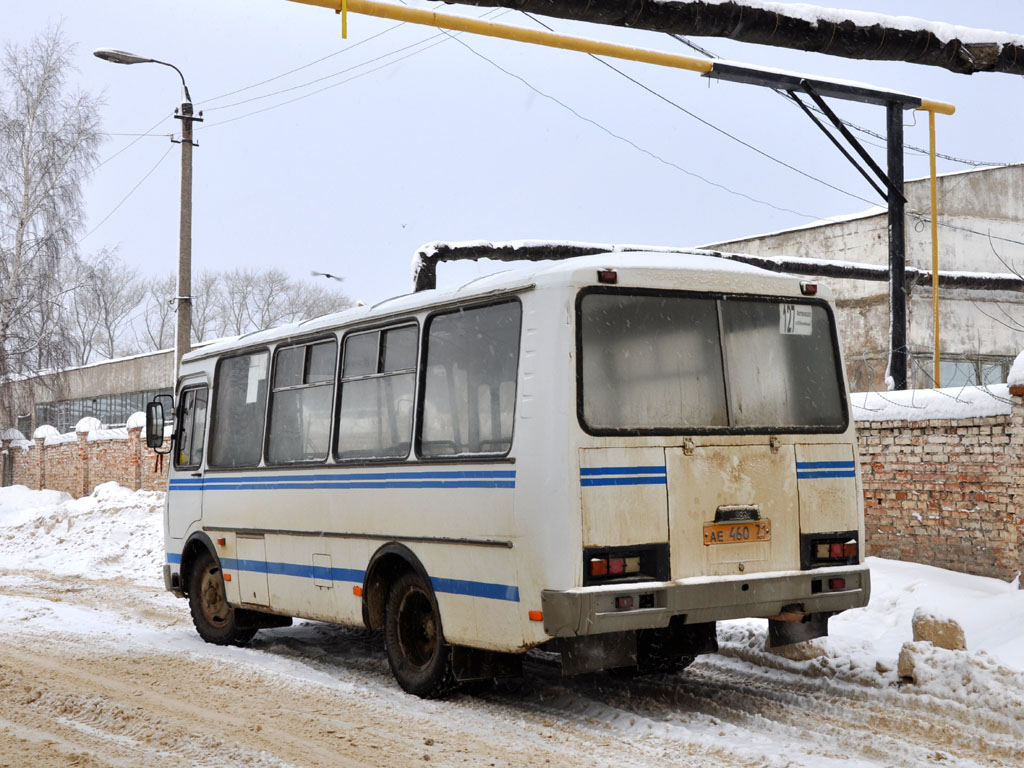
(662, 363)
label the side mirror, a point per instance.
(156, 422)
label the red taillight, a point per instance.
(808, 288)
(624, 603)
(607, 276)
(837, 584)
(835, 549)
(616, 566)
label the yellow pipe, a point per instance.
(935, 243)
(536, 37)
(937, 106)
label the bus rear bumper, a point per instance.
(650, 605)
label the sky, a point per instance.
(415, 136)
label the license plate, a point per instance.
(737, 533)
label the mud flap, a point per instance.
(247, 619)
(591, 653)
(788, 632)
(474, 664)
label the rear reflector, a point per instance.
(536, 616)
(837, 584)
(607, 276)
(624, 603)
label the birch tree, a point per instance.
(49, 134)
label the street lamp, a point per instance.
(183, 333)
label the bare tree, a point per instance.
(49, 135)
(207, 305)
(805, 28)
(234, 302)
(110, 291)
(155, 328)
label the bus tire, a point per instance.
(419, 658)
(213, 616)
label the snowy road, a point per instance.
(108, 671)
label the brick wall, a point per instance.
(947, 492)
(78, 465)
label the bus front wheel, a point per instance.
(215, 619)
(420, 659)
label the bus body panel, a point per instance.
(503, 542)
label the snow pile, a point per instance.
(113, 533)
(927, 404)
(864, 645)
(1016, 375)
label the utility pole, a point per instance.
(183, 297)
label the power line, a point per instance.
(130, 193)
(867, 131)
(329, 87)
(325, 77)
(626, 140)
(300, 68)
(712, 126)
(126, 146)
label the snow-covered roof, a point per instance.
(814, 14)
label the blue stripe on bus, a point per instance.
(818, 470)
(360, 480)
(341, 485)
(173, 559)
(592, 481)
(622, 470)
(448, 586)
(647, 475)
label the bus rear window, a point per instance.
(666, 363)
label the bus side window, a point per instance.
(470, 382)
(300, 405)
(239, 412)
(378, 381)
(192, 430)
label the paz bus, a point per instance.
(600, 457)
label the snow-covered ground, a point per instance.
(89, 634)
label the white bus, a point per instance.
(603, 456)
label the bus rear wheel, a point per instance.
(419, 658)
(215, 619)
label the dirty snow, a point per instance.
(89, 631)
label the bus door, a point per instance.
(185, 484)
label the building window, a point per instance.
(960, 371)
